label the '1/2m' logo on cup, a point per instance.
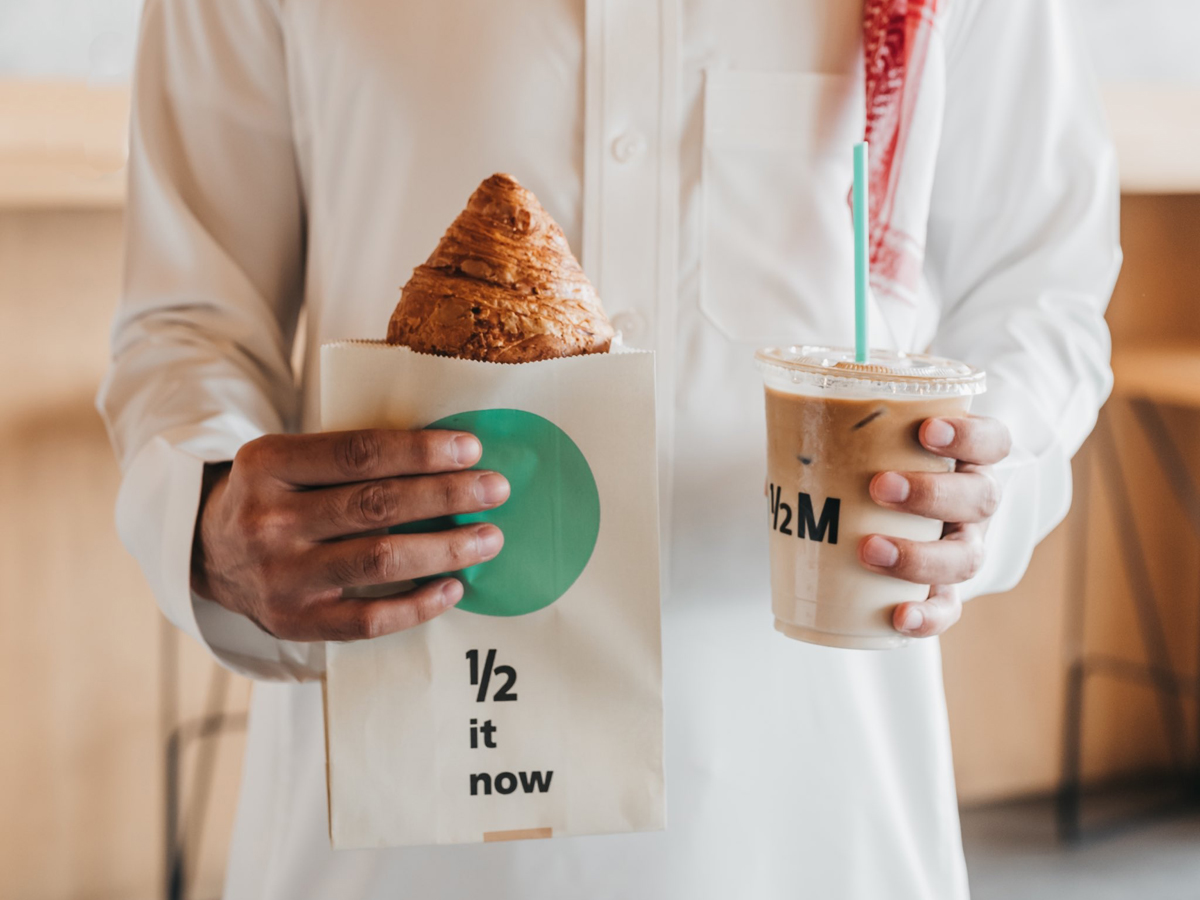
(800, 519)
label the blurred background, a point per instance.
(1073, 699)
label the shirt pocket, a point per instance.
(776, 260)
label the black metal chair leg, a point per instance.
(1154, 639)
(1069, 792)
(1068, 801)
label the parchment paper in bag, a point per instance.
(534, 708)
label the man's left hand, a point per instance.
(964, 499)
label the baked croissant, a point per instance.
(502, 285)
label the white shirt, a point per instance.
(291, 154)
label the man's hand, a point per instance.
(287, 527)
(964, 499)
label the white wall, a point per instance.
(88, 39)
(1141, 40)
(1132, 40)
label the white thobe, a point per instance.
(299, 155)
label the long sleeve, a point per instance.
(1024, 250)
(202, 338)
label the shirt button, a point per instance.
(629, 324)
(628, 146)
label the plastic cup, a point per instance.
(832, 425)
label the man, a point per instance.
(293, 155)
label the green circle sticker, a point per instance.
(550, 520)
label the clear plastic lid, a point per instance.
(885, 373)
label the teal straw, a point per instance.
(862, 263)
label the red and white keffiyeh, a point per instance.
(903, 97)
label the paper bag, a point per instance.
(534, 708)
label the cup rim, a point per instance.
(885, 372)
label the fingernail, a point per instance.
(467, 449)
(491, 488)
(890, 488)
(452, 592)
(913, 620)
(880, 551)
(939, 433)
(490, 539)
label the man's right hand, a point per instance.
(286, 529)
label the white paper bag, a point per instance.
(544, 723)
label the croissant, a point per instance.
(501, 285)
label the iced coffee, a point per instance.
(832, 425)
